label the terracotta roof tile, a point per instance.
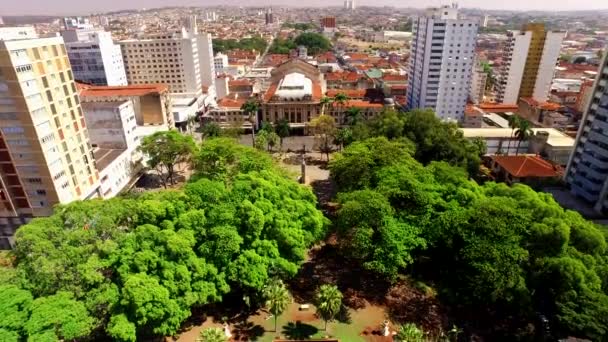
(527, 166)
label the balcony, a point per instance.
(596, 136)
(597, 149)
(597, 174)
(593, 186)
(579, 191)
(595, 160)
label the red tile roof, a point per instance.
(498, 107)
(394, 78)
(542, 105)
(527, 166)
(230, 102)
(344, 76)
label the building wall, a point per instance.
(111, 124)
(95, 58)
(587, 171)
(547, 64)
(533, 59)
(46, 158)
(169, 61)
(478, 85)
(441, 63)
(516, 54)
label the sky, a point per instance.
(60, 7)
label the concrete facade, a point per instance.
(45, 154)
(441, 62)
(587, 172)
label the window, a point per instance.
(23, 68)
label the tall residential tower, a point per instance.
(587, 172)
(45, 155)
(94, 57)
(530, 57)
(441, 62)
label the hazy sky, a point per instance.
(53, 7)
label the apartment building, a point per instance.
(530, 57)
(45, 155)
(94, 57)
(478, 85)
(441, 62)
(182, 60)
(587, 172)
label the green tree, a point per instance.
(523, 132)
(315, 43)
(15, 306)
(58, 316)
(251, 108)
(212, 335)
(282, 129)
(340, 99)
(121, 329)
(410, 333)
(328, 302)
(514, 122)
(352, 116)
(388, 123)
(211, 130)
(343, 137)
(277, 299)
(325, 101)
(166, 150)
(324, 128)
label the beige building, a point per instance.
(45, 155)
(294, 94)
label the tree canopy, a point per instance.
(135, 266)
(499, 249)
(256, 43)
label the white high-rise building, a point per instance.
(530, 57)
(182, 60)
(220, 62)
(94, 57)
(587, 172)
(441, 62)
(350, 4)
(478, 85)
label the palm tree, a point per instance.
(324, 102)
(277, 299)
(211, 335)
(514, 121)
(523, 133)
(282, 129)
(340, 99)
(353, 115)
(329, 302)
(251, 108)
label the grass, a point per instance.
(290, 327)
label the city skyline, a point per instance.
(69, 7)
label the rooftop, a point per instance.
(556, 137)
(527, 166)
(128, 90)
(105, 156)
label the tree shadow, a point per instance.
(299, 330)
(344, 315)
(247, 331)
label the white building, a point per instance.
(113, 135)
(183, 61)
(587, 172)
(17, 32)
(220, 62)
(349, 5)
(530, 57)
(94, 57)
(441, 62)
